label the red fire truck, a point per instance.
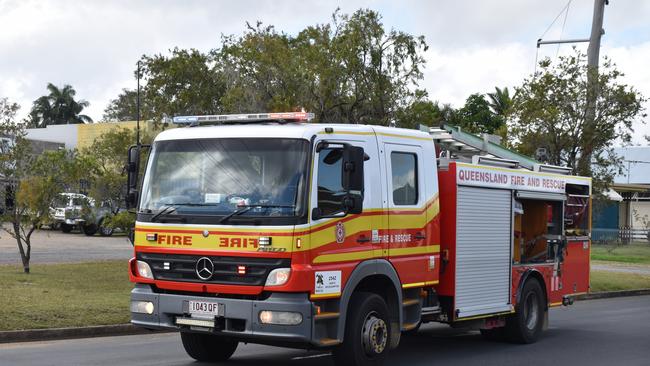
(265, 228)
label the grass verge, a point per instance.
(616, 281)
(64, 295)
(631, 253)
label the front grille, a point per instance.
(177, 267)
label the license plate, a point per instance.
(206, 308)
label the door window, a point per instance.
(330, 187)
(404, 173)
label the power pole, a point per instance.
(593, 52)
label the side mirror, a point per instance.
(132, 170)
(353, 158)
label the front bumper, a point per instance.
(240, 320)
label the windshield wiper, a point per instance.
(172, 207)
(245, 208)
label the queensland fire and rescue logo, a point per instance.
(340, 232)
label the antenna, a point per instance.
(137, 121)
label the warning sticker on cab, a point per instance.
(327, 282)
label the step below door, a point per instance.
(483, 251)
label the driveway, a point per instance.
(56, 247)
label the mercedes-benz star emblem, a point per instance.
(204, 268)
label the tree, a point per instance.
(421, 111)
(351, 70)
(30, 183)
(124, 107)
(186, 82)
(500, 102)
(58, 107)
(105, 160)
(476, 116)
(549, 112)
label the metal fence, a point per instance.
(624, 235)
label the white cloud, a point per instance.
(474, 45)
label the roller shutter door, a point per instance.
(483, 257)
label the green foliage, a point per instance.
(186, 82)
(351, 70)
(477, 117)
(124, 107)
(105, 161)
(549, 112)
(58, 108)
(421, 111)
(123, 220)
(33, 181)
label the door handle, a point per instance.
(420, 236)
(363, 239)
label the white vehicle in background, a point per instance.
(72, 210)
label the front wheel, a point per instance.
(525, 326)
(207, 347)
(89, 229)
(66, 228)
(367, 332)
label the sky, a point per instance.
(473, 45)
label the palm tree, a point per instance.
(59, 107)
(500, 102)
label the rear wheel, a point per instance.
(66, 228)
(104, 230)
(367, 332)
(525, 326)
(207, 347)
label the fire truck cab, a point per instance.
(266, 229)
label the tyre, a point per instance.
(104, 230)
(89, 229)
(66, 228)
(207, 347)
(367, 332)
(525, 326)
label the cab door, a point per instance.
(339, 243)
(409, 248)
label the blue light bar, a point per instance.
(253, 117)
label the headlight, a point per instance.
(278, 277)
(280, 317)
(142, 307)
(144, 270)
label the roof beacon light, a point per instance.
(245, 118)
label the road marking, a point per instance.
(312, 356)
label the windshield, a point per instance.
(218, 177)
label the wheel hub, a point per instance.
(374, 335)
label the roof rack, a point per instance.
(283, 117)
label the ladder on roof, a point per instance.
(466, 146)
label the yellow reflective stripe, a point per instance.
(486, 315)
(419, 284)
(368, 254)
(324, 296)
(555, 303)
(429, 249)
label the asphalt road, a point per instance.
(598, 332)
(56, 247)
